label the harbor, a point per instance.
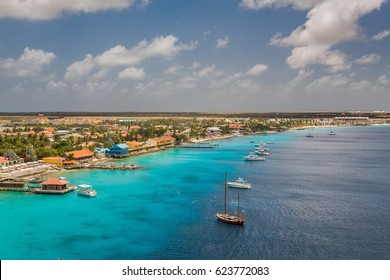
(295, 207)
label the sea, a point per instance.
(320, 198)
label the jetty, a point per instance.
(104, 166)
(198, 146)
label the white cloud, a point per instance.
(165, 47)
(187, 82)
(45, 10)
(132, 73)
(175, 69)
(222, 42)
(361, 86)
(381, 35)
(53, 85)
(257, 70)
(247, 85)
(195, 65)
(29, 64)
(80, 69)
(328, 23)
(326, 83)
(368, 59)
(206, 71)
(261, 4)
(383, 80)
(302, 75)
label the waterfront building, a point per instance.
(119, 151)
(54, 186)
(135, 147)
(80, 155)
(54, 160)
(4, 161)
(101, 152)
(151, 145)
(165, 141)
(8, 162)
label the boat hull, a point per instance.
(85, 194)
(230, 219)
(239, 186)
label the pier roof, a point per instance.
(54, 181)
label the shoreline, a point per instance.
(210, 139)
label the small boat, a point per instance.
(262, 152)
(254, 157)
(269, 143)
(231, 218)
(331, 133)
(261, 144)
(86, 190)
(309, 135)
(240, 184)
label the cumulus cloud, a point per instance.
(53, 85)
(383, 80)
(328, 23)
(206, 71)
(327, 82)
(187, 82)
(381, 35)
(257, 70)
(80, 69)
(261, 4)
(29, 64)
(132, 73)
(368, 59)
(222, 42)
(175, 69)
(165, 47)
(46, 10)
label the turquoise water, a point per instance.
(325, 197)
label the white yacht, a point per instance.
(240, 184)
(254, 157)
(86, 190)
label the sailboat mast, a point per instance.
(225, 195)
(238, 210)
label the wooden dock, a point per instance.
(64, 191)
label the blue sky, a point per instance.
(201, 56)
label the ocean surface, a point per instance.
(326, 197)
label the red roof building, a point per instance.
(54, 186)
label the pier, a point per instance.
(104, 166)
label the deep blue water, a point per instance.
(326, 197)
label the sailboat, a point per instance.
(231, 218)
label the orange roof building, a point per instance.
(80, 155)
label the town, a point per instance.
(39, 144)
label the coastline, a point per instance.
(55, 172)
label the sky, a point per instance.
(194, 56)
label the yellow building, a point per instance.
(54, 160)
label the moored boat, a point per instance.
(331, 133)
(254, 157)
(86, 190)
(240, 183)
(231, 218)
